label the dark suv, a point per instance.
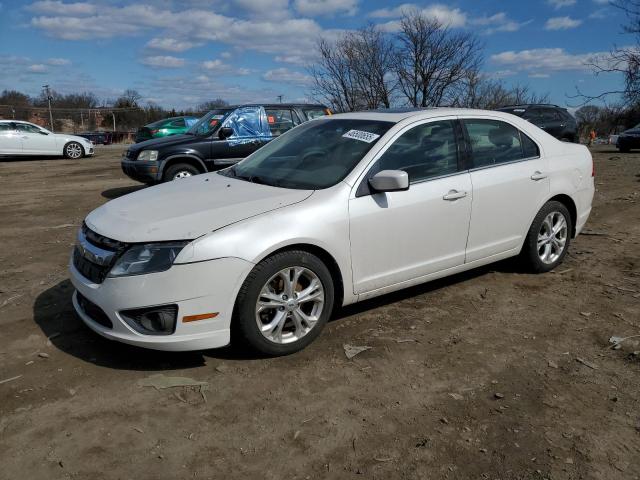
(220, 138)
(556, 121)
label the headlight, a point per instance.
(150, 155)
(147, 258)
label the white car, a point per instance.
(19, 138)
(335, 211)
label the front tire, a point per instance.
(180, 170)
(73, 151)
(548, 238)
(284, 303)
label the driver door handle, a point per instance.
(538, 176)
(454, 195)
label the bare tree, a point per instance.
(355, 72)
(432, 60)
(211, 105)
(621, 60)
(479, 91)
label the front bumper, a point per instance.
(141, 171)
(196, 288)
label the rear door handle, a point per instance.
(454, 195)
(538, 176)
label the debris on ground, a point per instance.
(552, 364)
(456, 396)
(6, 380)
(499, 396)
(616, 341)
(43, 355)
(586, 363)
(352, 350)
(160, 381)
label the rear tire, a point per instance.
(178, 171)
(548, 238)
(283, 304)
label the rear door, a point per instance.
(10, 141)
(510, 181)
(250, 132)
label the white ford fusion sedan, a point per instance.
(337, 210)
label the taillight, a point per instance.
(153, 132)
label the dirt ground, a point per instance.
(493, 374)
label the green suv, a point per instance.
(165, 127)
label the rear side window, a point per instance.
(6, 127)
(494, 142)
(426, 151)
(279, 120)
(25, 127)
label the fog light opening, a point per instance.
(152, 320)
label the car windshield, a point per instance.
(210, 122)
(314, 155)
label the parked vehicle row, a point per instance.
(629, 139)
(335, 211)
(18, 138)
(220, 138)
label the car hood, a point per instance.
(631, 131)
(187, 208)
(69, 138)
(162, 142)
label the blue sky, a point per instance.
(181, 52)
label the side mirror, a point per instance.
(225, 132)
(389, 181)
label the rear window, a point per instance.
(520, 112)
(312, 113)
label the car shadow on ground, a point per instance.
(112, 193)
(53, 312)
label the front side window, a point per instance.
(494, 142)
(25, 127)
(312, 156)
(248, 122)
(426, 151)
(279, 120)
(177, 123)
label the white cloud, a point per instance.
(561, 3)
(498, 22)
(163, 61)
(562, 23)
(170, 44)
(58, 62)
(284, 75)
(453, 17)
(539, 75)
(37, 68)
(218, 67)
(294, 59)
(543, 60)
(56, 7)
(272, 9)
(326, 7)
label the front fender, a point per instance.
(174, 156)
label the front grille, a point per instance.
(92, 270)
(93, 311)
(89, 270)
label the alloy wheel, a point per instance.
(181, 174)
(552, 237)
(290, 305)
(74, 150)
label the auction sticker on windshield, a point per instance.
(367, 137)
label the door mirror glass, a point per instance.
(225, 132)
(389, 181)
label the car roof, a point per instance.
(8, 120)
(398, 114)
(530, 105)
(274, 105)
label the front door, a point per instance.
(400, 236)
(10, 141)
(37, 141)
(510, 182)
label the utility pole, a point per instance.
(280, 98)
(114, 121)
(48, 93)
